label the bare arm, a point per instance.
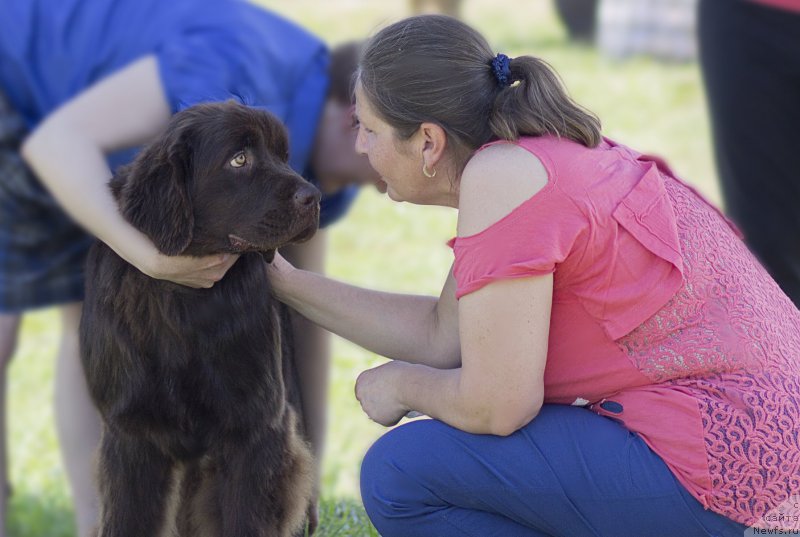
(410, 328)
(499, 387)
(504, 326)
(67, 152)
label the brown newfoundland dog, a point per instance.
(196, 387)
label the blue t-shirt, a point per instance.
(207, 50)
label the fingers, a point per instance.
(215, 269)
(196, 272)
(279, 265)
(358, 385)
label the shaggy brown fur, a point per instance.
(196, 386)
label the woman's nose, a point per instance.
(361, 148)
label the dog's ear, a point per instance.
(153, 191)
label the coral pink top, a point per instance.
(661, 318)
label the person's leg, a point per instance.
(78, 423)
(42, 253)
(11, 173)
(751, 70)
(312, 360)
(569, 473)
(9, 328)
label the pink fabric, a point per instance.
(789, 5)
(658, 306)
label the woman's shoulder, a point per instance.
(555, 153)
(544, 173)
(498, 179)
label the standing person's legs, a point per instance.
(751, 70)
(77, 421)
(9, 328)
(569, 473)
(11, 172)
(42, 252)
(76, 418)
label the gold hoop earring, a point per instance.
(426, 173)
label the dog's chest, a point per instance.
(230, 330)
(208, 356)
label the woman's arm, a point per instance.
(67, 152)
(499, 387)
(416, 329)
(504, 326)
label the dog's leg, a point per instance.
(265, 484)
(291, 381)
(300, 488)
(135, 480)
(199, 515)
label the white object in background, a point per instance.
(664, 29)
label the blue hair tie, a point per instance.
(501, 66)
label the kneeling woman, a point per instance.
(606, 357)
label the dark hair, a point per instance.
(435, 68)
(342, 71)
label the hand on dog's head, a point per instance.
(217, 180)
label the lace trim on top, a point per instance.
(731, 337)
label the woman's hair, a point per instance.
(437, 69)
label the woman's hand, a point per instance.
(378, 392)
(278, 272)
(198, 272)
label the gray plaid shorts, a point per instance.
(42, 251)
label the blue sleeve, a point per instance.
(254, 56)
(215, 62)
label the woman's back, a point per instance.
(661, 319)
(730, 338)
(711, 378)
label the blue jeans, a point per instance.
(569, 473)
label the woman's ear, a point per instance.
(434, 143)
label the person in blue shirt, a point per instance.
(82, 84)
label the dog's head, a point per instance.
(216, 181)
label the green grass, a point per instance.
(651, 106)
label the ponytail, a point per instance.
(536, 104)
(438, 69)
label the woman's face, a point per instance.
(399, 162)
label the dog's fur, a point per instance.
(194, 385)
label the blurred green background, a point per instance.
(651, 106)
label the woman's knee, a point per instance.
(394, 471)
(380, 464)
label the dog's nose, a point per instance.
(306, 195)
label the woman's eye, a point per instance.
(239, 160)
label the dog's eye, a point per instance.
(239, 160)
